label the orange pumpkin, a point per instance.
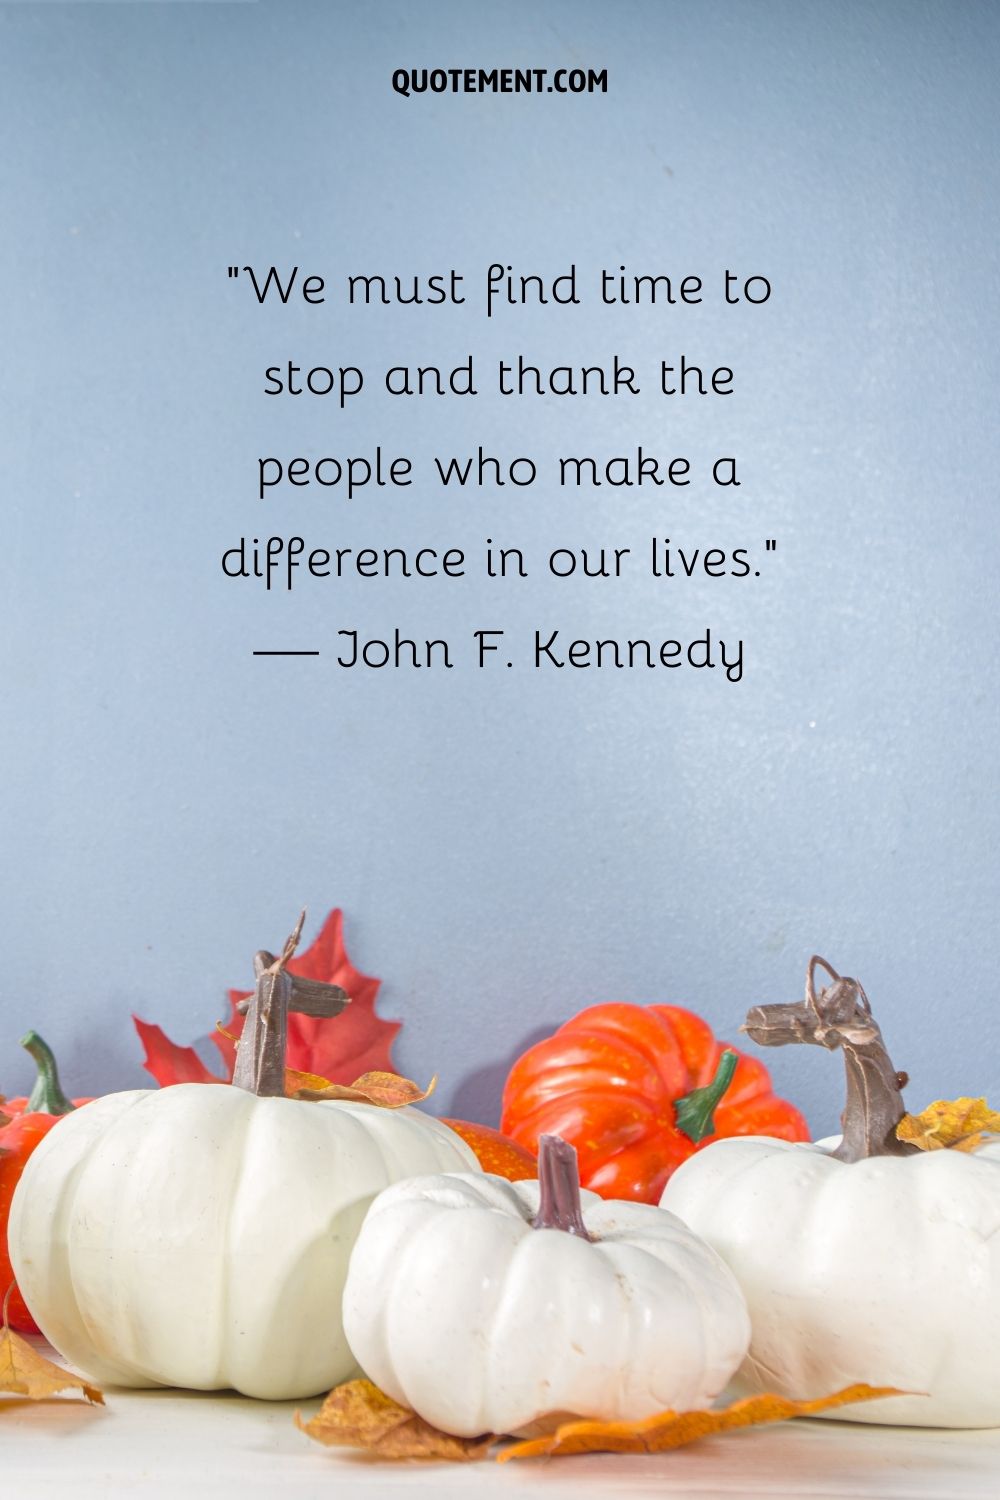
(497, 1153)
(611, 1080)
(23, 1123)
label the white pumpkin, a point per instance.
(885, 1270)
(858, 1262)
(199, 1235)
(458, 1307)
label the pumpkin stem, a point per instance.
(47, 1097)
(693, 1114)
(559, 1205)
(260, 1052)
(839, 1015)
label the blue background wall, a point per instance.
(508, 846)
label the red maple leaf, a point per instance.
(339, 1048)
(167, 1062)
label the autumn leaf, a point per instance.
(295, 1082)
(25, 1372)
(961, 1124)
(975, 1142)
(386, 1090)
(337, 1049)
(359, 1415)
(169, 1063)
(676, 1429)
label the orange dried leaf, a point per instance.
(359, 1415)
(25, 1372)
(296, 1082)
(386, 1090)
(672, 1429)
(963, 1124)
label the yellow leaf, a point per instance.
(977, 1141)
(672, 1429)
(25, 1372)
(963, 1124)
(359, 1415)
(386, 1090)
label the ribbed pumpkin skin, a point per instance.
(199, 1236)
(607, 1082)
(457, 1307)
(885, 1270)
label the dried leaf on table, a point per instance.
(961, 1124)
(359, 1415)
(335, 1048)
(25, 1372)
(387, 1090)
(671, 1429)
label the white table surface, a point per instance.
(182, 1445)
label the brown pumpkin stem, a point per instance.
(840, 1016)
(260, 1053)
(559, 1205)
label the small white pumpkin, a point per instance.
(491, 1306)
(199, 1235)
(861, 1260)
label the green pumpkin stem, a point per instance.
(47, 1097)
(694, 1113)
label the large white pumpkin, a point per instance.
(861, 1259)
(885, 1270)
(199, 1236)
(459, 1308)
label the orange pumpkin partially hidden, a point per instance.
(610, 1080)
(23, 1123)
(497, 1153)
